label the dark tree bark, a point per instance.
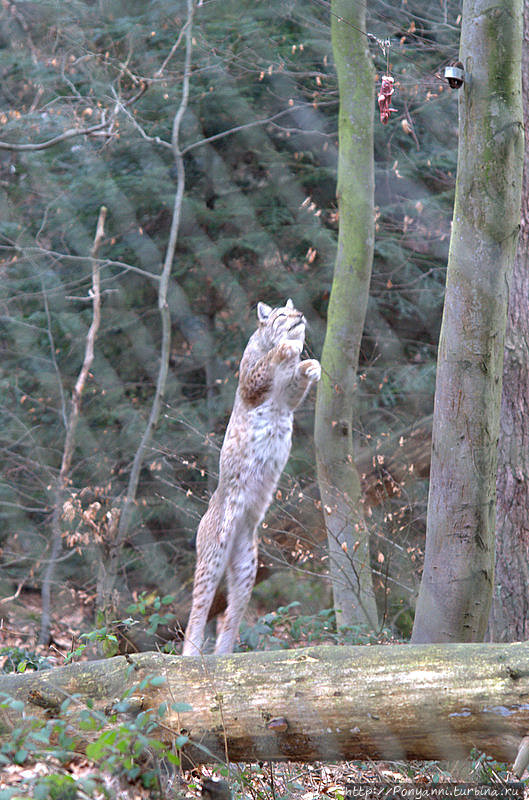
(510, 606)
(456, 588)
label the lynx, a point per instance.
(272, 383)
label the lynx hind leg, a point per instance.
(241, 571)
(212, 556)
(207, 579)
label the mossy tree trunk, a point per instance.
(319, 703)
(338, 479)
(510, 606)
(456, 589)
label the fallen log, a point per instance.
(320, 703)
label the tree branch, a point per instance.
(238, 128)
(69, 134)
(174, 48)
(71, 429)
(101, 262)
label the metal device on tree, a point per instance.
(455, 75)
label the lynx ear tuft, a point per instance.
(263, 312)
(289, 303)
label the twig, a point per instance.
(71, 428)
(69, 134)
(272, 781)
(243, 127)
(14, 596)
(53, 356)
(174, 48)
(101, 262)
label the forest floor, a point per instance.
(19, 625)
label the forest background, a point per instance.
(254, 158)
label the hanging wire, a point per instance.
(384, 44)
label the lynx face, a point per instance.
(278, 325)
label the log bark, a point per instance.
(320, 703)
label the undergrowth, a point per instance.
(125, 755)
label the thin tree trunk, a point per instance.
(321, 703)
(339, 483)
(110, 565)
(510, 605)
(456, 589)
(61, 487)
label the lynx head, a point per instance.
(278, 324)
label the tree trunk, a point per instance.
(510, 605)
(320, 703)
(338, 479)
(456, 589)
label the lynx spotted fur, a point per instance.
(272, 383)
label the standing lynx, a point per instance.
(272, 383)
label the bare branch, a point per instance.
(69, 134)
(185, 150)
(71, 429)
(102, 262)
(139, 128)
(174, 48)
(53, 357)
(238, 128)
(92, 331)
(13, 596)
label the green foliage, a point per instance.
(147, 601)
(286, 628)
(104, 637)
(17, 659)
(124, 743)
(126, 748)
(33, 736)
(55, 787)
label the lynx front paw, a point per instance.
(311, 369)
(289, 349)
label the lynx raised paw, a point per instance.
(289, 349)
(311, 369)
